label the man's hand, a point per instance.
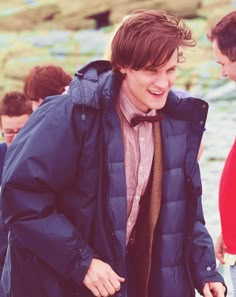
(101, 280)
(215, 289)
(220, 249)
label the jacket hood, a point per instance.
(94, 85)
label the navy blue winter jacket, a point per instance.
(3, 150)
(3, 231)
(64, 195)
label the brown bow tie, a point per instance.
(151, 119)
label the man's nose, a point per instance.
(9, 139)
(161, 82)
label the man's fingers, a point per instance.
(108, 289)
(220, 249)
(117, 277)
(121, 279)
(101, 279)
(206, 291)
(116, 281)
(220, 257)
(95, 291)
(217, 289)
(115, 285)
(117, 288)
(103, 291)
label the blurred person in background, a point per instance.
(223, 38)
(117, 209)
(43, 81)
(16, 107)
(15, 110)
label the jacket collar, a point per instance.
(96, 86)
(185, 109)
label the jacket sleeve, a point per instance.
(3, 245)
(202, 256)
(41, 163)
(3, 229)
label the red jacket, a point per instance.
(227, 201)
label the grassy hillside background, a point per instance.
(39, 32)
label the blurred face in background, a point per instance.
(228, 68)
(10, 126)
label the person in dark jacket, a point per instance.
(104, 195)
(15, 110)
(3, 150)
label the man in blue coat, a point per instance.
(104, 195)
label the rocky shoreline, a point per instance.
(47, 31)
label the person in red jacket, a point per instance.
(223, 38)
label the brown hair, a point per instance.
(43, 81)
(148, 36)
(224, 32)
(15, 104)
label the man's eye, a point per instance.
(172, 69)
(151, 69)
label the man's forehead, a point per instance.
(173, 61)
(13, 121)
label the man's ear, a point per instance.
(123, 70)
(36, 103)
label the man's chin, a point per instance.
(159, 106)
